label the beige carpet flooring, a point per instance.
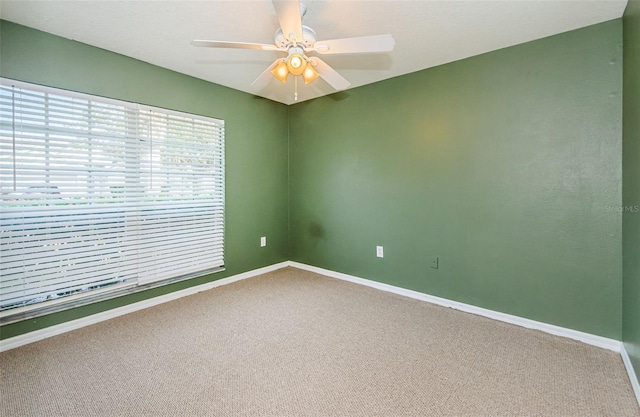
(293, 343)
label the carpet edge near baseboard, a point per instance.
(591, 339)
(633, 378)
(40, 334)
(588, 338)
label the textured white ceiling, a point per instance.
(427, 32)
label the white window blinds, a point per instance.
(97, 192)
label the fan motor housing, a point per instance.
(309, 38)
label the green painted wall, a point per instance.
(505, 166)
(631, 184)
(256, 144)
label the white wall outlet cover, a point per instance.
(263, 241)
(379, 251)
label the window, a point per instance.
(98, 194)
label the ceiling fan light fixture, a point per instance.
(300, 41)
(296, 64)
(309, 74)
(281, 71)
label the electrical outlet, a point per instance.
(263, 241)
(434, 262)
(379, 251)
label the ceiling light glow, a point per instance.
(281, 71)
(309, 74)
(296, 64)
(296, 61)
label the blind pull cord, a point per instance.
(13, 132)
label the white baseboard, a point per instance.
(37, 335)
(631, 372)
(591, 339)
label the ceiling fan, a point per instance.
(299, 41)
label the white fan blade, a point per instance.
(266, 76)
(236, 45)
(330, 75)
(364, 44)
(288, 12)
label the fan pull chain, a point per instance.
(295, 93)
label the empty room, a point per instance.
(320, 208)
